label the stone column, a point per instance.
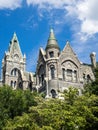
(47, 88)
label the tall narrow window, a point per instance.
(75, 75)
(11, 83)
(63, 73)
(41, 75)
(88, 79)
(52, 72)
(15, 71)
(69, 75)
(51, 53)
(15, 84)
(84, 76)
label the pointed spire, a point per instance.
(14, 37)
(52, 42)
(51, 36)
(67, 42)
(14, 45)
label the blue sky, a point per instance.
(72, 20)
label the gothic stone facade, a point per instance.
(13, 67)
(57, 70)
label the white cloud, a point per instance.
(83, 10)
(53, 3)
(10, 4)
(87, 13)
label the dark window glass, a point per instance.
(53, 92)
(11, 84)
(52, 72)
(75, 75)
(88, 79)
(51, 54)
(14, 83)
(63, 73)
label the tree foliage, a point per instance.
(23, 110)
(92, 88)
(14, 103)
(73, 113)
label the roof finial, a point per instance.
(15, 36)
(67, 42)
(51, 36)
(51, 30)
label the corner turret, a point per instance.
(52, 48)
(93, 59)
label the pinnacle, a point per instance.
(14, 36)
(52, 36)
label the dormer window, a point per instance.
(51, 53)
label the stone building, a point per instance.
(57, 70)
(14, 67)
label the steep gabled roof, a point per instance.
(68, 48)
(42, 54)
(69, 53)
(14, 47)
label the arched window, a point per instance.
(53, 92)
(69, 75)
(15, 84)
(11, 84)
(52, 69)
(14, 72)
(63, 73)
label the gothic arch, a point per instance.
(14, 72)
(53, 93)
(16, 57)
(69, 61)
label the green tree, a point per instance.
(54, 114)
(71, 95)
(92, 88)
(14, 103)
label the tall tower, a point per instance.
(52, 54)
(13, 63)
(93, 59)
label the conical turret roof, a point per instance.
(52, 42)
